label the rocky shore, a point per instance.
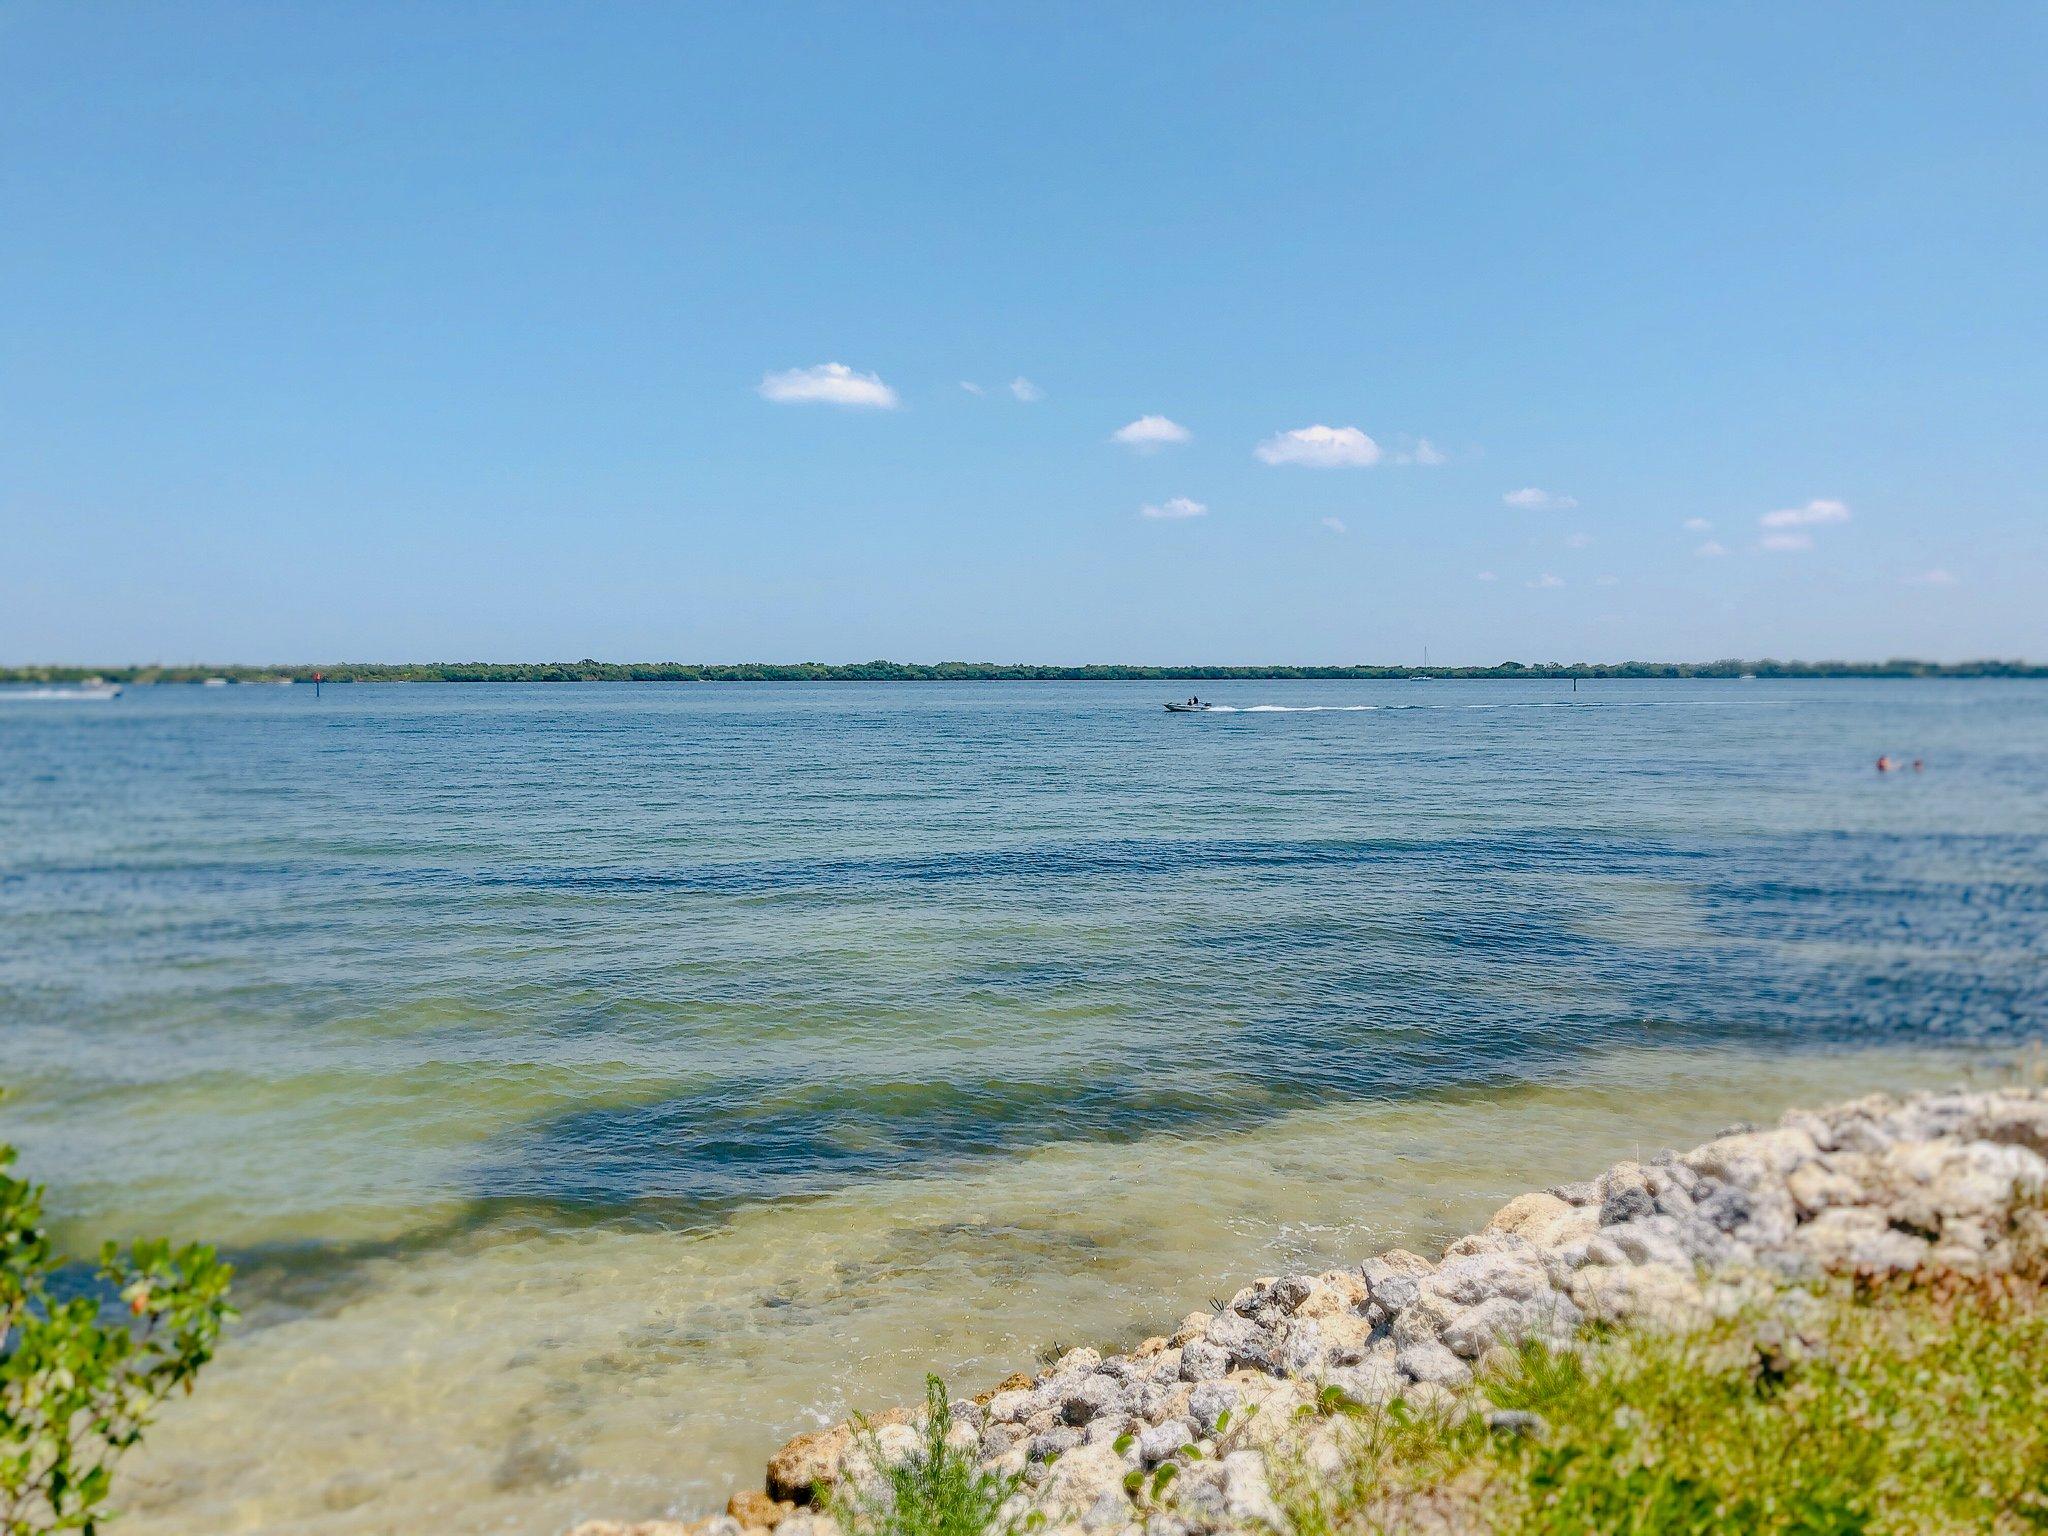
(1935, 1182)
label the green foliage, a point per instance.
(77, 1390)
(938, 1491)
(590, 671)
(1541, 1380)
(1915, 1409)
(1330, 1402)
(1904, 1407)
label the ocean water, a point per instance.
(595, 1084)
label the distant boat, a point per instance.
(1189, 707)
(215, 682)
(1747, 677)
(85, 691)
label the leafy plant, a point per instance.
(79, 1380)
(1330, 1402)
(1539, 1379)
(1902, 1404)
(938, 1490)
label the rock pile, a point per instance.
(1873, 1185)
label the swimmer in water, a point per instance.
(1885, 765)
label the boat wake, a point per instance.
(1290, 709)
(1349, 709)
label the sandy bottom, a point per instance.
(502, 1385)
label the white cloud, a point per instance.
(972, 389)
(1938, 577)
(1785, 543)
(1424, 452)
(1320, 448)
(1486, 576)
(1532, 499)
(1025, 390)
(1697, 525)
(1335, 525)
(1713, 549)
(1814, 512)
(828, 384)
(1546, 580)
(1149, 434)
(1578, 541)
(1174, 507)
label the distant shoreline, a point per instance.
(588, 671)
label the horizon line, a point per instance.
(591, 669)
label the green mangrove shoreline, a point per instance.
(591, 671)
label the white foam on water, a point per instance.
(1349, 709)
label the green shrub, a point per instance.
(940, 1490)
(1906, 1405)
(76, 1388)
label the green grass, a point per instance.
(1916, 1406)
(938, 1491)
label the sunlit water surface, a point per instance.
(596, 1084)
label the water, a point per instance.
(596, 1083)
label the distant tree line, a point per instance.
(588, 671)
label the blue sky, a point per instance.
(423, 330)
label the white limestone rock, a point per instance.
(1159, 1441)
(1210, 1401)
(1371, 1384)
(1086, 1487)
(1229, 1495)
(1665, 1243)
(1859, 1239)
(1434, 1364)
(1653, 1295)
(1090, 1398)
(1201, 1360)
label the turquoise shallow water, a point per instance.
(405, 979)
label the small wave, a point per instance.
(1348, 709)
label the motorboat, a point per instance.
(1189, 707)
